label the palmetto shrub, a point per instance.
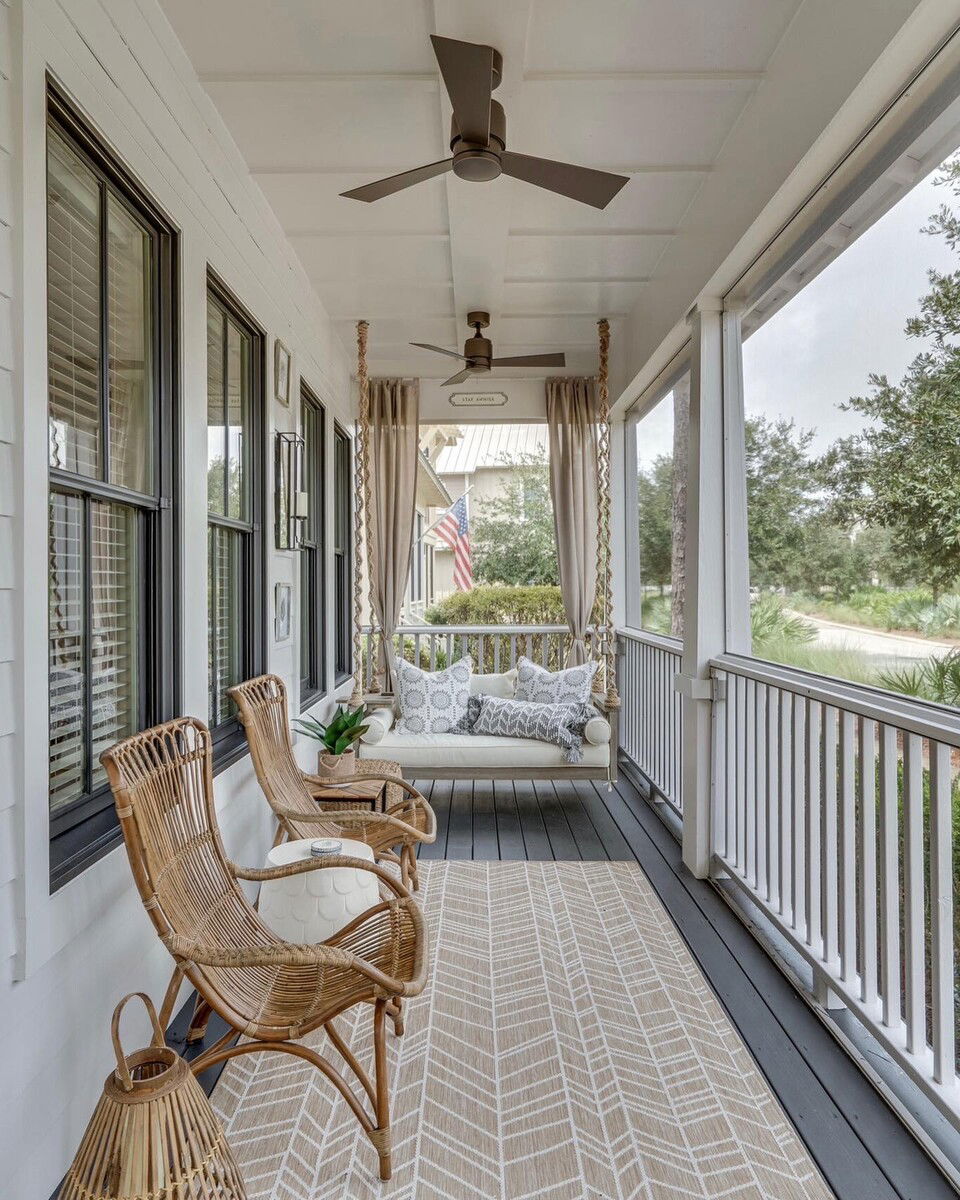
(935, 678)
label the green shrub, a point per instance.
(500, 604)
(936, 679)
(769, 621)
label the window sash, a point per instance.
(313, 659)
(342, 556)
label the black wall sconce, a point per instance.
(290, 500)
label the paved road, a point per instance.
(890, 647)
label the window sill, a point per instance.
(229, 748)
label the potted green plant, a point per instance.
(337, 757)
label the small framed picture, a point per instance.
(281, 372)
(283, 600)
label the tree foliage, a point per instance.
(512, 535)
(655, 511)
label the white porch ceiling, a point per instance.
(323, 96)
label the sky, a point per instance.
(819, 349)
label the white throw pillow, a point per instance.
(377, 721)
(432, 702)
(539, 686)
(504, 686)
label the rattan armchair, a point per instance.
(266, 989)
(296, 797)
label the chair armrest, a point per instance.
(318, 785)
(349, 818)
(259, 874)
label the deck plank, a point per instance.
(439, 797)
(562, 840)
(460, 827)
(485, 843)
(589, 845)
(535, 838)
(509, 831)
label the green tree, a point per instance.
(783, 485)
(655, 515)
(903, 470)
(512, 535)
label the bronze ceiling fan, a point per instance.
(478, 137)
(478, 353)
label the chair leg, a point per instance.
(198, 1024)
(381, 1135)
(395, 1012)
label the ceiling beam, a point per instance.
(631, 80)
(617, 168)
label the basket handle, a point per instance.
(158, 1038)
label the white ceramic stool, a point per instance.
(309, 907)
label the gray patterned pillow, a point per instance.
(561, 724)
(539, 686)
(432, 702)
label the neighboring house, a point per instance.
(477, 459)
(432, 499)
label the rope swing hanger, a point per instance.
(605, 639)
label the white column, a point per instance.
(737, 552)
(705, 608)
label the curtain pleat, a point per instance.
(394, 435)
(572, 430)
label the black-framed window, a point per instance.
(235, 473)
(342, 554)
(111, 263)
(313, 659)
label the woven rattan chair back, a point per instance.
(262, 706)
(162, 780)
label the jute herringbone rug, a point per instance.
(567, 1046)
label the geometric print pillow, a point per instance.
(561, 724)
(571, 686)
(432, 702)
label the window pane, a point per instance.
(216, 433)
(238, 391)
(115, 626)
(73, 311)
(224, 649)
(66, 650)
(130, 381)
(662, 435)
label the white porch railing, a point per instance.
(833, 810)
(494, 648)
(651, 717)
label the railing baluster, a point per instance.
(913, 891)
(812, 831)
(848, 862)
(890, 890)
(828, 843)
(867, 855)
(798, 857)
(941, 913)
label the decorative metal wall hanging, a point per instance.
(290, 500)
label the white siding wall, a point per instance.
(66, 959)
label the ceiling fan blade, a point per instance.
(459, 377)
(596, 188)
(531, 360)
(467, 71)
(396, 183)
(439, 350)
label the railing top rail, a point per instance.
(662, 641)
(486, 630)
(914, 716)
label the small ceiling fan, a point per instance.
(478, 137)
(478, 353)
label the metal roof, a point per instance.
(482, 446)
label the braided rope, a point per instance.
(608, 647)
(361, 512)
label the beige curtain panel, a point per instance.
(394, 419)
(572, 429)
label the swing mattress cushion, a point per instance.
(477, 751)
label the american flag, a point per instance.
(454, 528)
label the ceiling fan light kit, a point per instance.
(478, 137)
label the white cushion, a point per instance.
(504, 686)
(432, 701)
(569, 686)
(596, 731)
(377, 721)
(475, 752)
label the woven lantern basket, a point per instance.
(153, 1135)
